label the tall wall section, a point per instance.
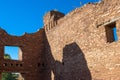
(31, 64)
(80, 46)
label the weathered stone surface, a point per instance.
(78, 46)
(78, 43)
(32, 46)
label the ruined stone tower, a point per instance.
(83, 45)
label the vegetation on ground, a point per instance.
(9, 76)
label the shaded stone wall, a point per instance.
(77, 46)
(32, 66)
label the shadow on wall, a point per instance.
(73, 66)
(74, 63)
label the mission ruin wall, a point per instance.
(82, 44)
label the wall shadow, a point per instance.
(73, 66)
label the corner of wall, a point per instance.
(51, 18)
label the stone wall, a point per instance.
(31, 64)
(77, 47)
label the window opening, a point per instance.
(111, 32)
(12, 53)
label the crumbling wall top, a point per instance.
(50, 19)
(52, 16)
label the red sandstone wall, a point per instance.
(77, 45)
(32, 65)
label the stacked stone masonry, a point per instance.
(78, 46)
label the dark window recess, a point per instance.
(111, 32)
(5, 64)
(17, 64)
(38, 64)
(43, 65)
(11, 64)
(21, 65)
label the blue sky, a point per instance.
(20, 16)
(12, 51)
